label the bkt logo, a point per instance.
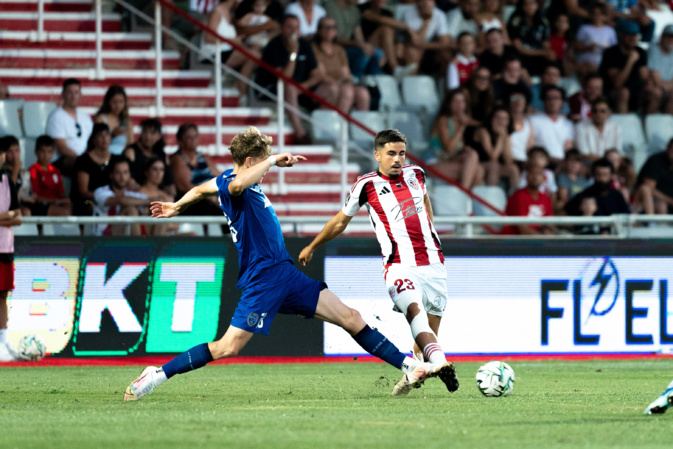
(599, 289)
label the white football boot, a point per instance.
(412, 380)
(144, 384)
(7, 353)
(662, 402)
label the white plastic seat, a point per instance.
(390, 92)
(60, 230)
(28, 156)
(450, 201)
(35, 114)
(371, 119)
(326, 126)
(27, 229)
(659, 131)
(410, 125)
(215, 230)
(493, 195)
(193, 229)
(633, 137)
(10, 124)
(570, 85)
(421, 92)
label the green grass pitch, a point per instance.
(592, 404)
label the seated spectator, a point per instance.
(654, 187)
(463, 20)
(496, 53)
(552, 130)
(558, 41)
(49, 196)
(593, 39)
(150, 144)
(522, 137)
(337, 85)
(11, 216)
(660, 63)
(529, 31)
(115, 113)
(274, 11)
(512, 77)
(632, 10)
(480, 94)
(551, 76)
(428, 37)
(624, 178)
(221, 20)
(69, 126)
(529, 201)
(571, 180)
(363, 57)
(154, 173)
(309, 15)
(491, 18)
(91, 170)
(625, 74)
(580, 102)
(608, 200)
(191, 167)
(598, 134)
(255, 28)
(14, 168)
(449, 155)
(538, 157)
(114, 199)
(588, 208)
(464, 63)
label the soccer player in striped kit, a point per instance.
(401, 214)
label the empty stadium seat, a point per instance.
(35, 114)
(410, 125)
(421, 92)
(493, 195)
(633, 137)
(570, 85)
(659, 130)
(326, 126)
(371, 119)
(10, 124)
(390, 92)
(215, 230)
(450, 201)
(27, 229)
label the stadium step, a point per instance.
(60, 21)
(49, 5)
(86, 59)
(74, 41)
(126, 78)
(315, 154)
(207, 135)
(310, 171)
(199, 116)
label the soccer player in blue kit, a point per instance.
(271, 284)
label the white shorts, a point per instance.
(426, 281)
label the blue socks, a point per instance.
(195, 358)
(376, 344)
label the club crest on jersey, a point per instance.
(408, 208)
(391, 292)
(252, 319)
(413, 183)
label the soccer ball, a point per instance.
(495, 379)
(32, 348)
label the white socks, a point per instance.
(433, 352)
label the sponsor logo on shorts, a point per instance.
(252, 319)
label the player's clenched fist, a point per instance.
(305, 256)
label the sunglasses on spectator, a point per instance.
(79, 130)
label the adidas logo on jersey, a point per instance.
(384, 190)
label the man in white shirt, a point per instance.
(428, 31)
(461, 20)
(115, 199)
(69, 126)
(552, 130)
(660, 62)
(598, 134)
(309, 15)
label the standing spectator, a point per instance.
(580, 102)
(114, 199)
(154, 173)
(480, 94)
(491, 18)
(309, 15)
(512, 78)
(571, 181)
(115, 113)
(69, 126)
(19, 175)
(551, 76)
(191, 168)
(553, 131)
(595, 136)
(625, 73)
(654, 187)
(660, 63)
(538, 157)
(10, 215)
(49, 196)
(496, 53)
(337, 84)
(428, 33)
(363, 57)
(529, 32)
(522, 137)
(464, 63)
(608, 200)
(150, 144)
(529, 201)
(91, 170)
(294, 57)
(450, 156)
(593, 39)
(463, 19)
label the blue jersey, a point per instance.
(254, 229)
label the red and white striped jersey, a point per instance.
(397, 212)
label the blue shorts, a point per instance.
(279, 289)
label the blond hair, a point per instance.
(251, 143)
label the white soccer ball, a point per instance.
(495, 379)
(32, 348)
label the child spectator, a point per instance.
(571, 181)
(255, 18)
(558, 40)
(529, 31)
(49, 196)
(608, 200)
(464, 63)
(115, 113)
(538, 157)
(480, 94)
(529, 201)
(593, 39)
(588, 208)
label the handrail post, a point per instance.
(344, 159)
(41, 35)
(218, 98)
(99, 39)
(157, 64)
(281, 132)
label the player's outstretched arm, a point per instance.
(253, 175)
(167, 210)
(333, 228)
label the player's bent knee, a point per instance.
(220, 350)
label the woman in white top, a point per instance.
(114, 112)
(490, 17)
(522, 138)
(220, 19)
